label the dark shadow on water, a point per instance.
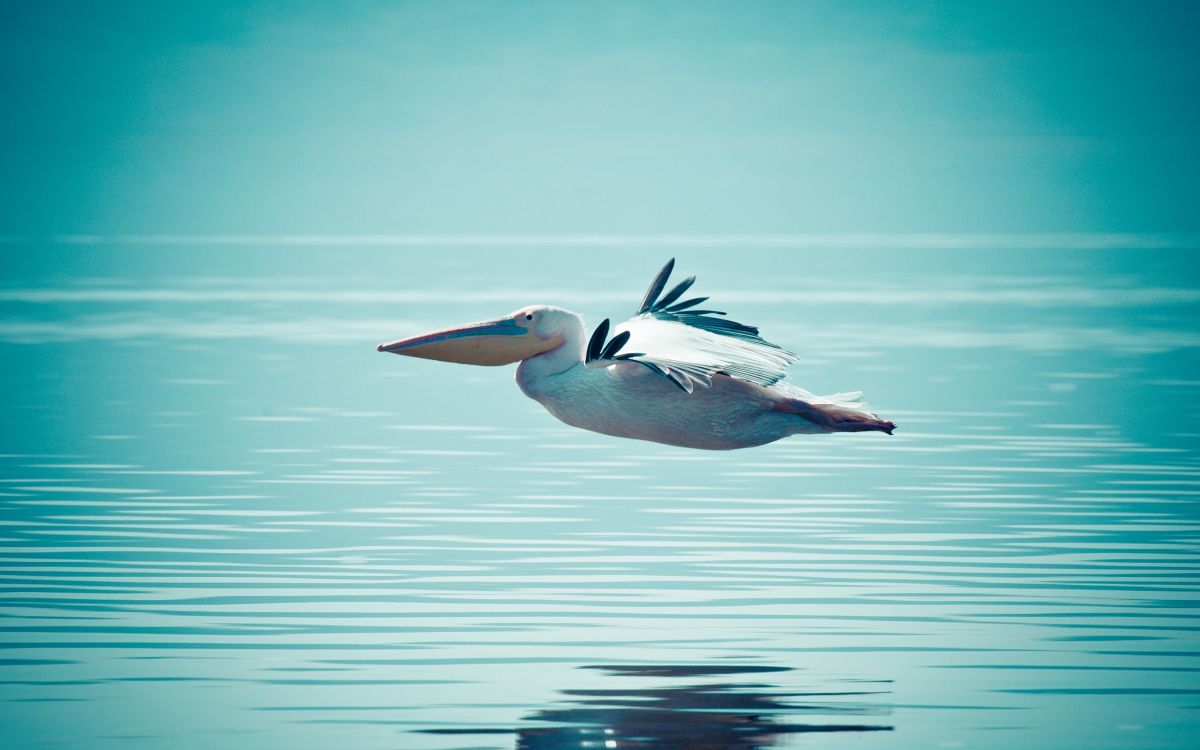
(700, 713)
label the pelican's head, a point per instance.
(519, 335)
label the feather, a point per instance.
(690, 346)
(675, 293)
(650, 366)
(686, 304)
(656, 286)
(615, 345)
(679, 379)
(597, 341)
(723, 327)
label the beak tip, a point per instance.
(379, 348)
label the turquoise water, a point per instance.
(229, 522)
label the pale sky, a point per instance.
(690, 117)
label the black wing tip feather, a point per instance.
(656, 286)
(687, 303)
(666, 308)
(598, 350)
(615, 345)
(596, 343)
(675, 293)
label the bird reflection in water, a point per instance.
(701, 715)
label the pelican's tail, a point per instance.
(841, 412)
(849, 420)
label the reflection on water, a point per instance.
(226, 521)
(706, 715)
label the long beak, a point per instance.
(492, 342)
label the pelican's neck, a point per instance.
(533, 371)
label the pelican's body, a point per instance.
(687, 379)
(629, 401)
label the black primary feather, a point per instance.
(720, 326)
(598, 351)
(615, 345)
(675, 293)
(656, 287)
(686, 304)
(664, 309)
(597, 340)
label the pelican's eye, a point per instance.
(528, 316)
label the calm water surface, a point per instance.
(229, 522)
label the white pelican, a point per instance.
(671, 374)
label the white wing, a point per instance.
(687, 345)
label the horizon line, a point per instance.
(797, 240)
